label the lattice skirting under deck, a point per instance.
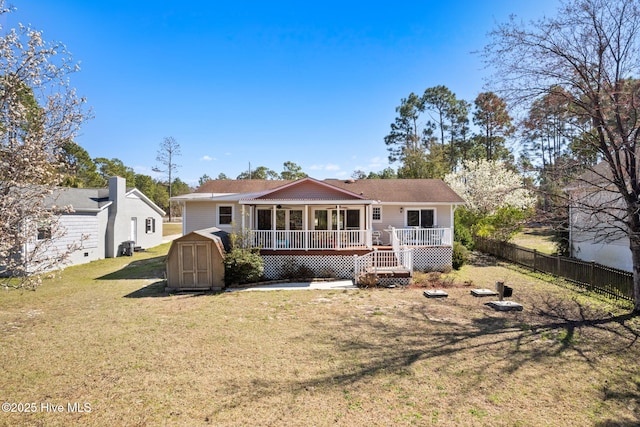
(432, 259)
(398, 281)
(341, 266)
(282, 266)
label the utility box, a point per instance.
(127, 248)
(503, 290)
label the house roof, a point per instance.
(306, 189)
(599, 176)
(383, 190)
(401, 190)
(91, 199)
(225, 186)
(81, 199)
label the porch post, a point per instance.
(369, 225)
(273, 227)
(305, 220)
(338, 233)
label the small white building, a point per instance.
(102, 220)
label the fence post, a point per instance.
(535, 259)
(592, 273)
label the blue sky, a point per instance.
(240, 82)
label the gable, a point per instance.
(308, 189)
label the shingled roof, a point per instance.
(235, 186)
(385, 190)
(400, 190)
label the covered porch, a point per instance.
(309, 227)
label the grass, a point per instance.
(106, 334)
(538, 237)
(170, 228)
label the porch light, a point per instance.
(401, 209)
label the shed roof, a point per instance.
(212, 233)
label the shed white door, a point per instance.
(194, 264)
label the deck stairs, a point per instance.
(385, 263)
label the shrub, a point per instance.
(291, 270)
(460, 255)
(243, 266)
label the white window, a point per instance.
(377, 214)
(225, 215)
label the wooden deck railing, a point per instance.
(312, 240)
(380, 261)
(414, 236)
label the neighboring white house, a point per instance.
(595, 232)
(324, 224)
(101, 220)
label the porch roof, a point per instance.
(302, 202)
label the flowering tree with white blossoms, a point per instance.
(487, 186)
(497, 201)
(39, 114)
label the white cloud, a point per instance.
(377, 162)
(146, 170)
(207, 158)
(327, 167)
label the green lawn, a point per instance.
(539, 238)
(170, 228)
(106, 335)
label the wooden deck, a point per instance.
(325, 252)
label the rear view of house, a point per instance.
(324, 226)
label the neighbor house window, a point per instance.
(420, 217)
(225, 215)
(44, 233)
(377, 213)
(150, 225)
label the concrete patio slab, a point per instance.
(436, 293)
(483, 293)
(297, 286)
(505, 305)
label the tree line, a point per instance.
(80, 170)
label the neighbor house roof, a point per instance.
(382, 190)
(81, 199)
(91, 199)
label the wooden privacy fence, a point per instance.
(613, 282)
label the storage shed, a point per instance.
(196, 261)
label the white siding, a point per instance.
(392, 217)
(198, 215)
(616, 254)
(80, 232)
